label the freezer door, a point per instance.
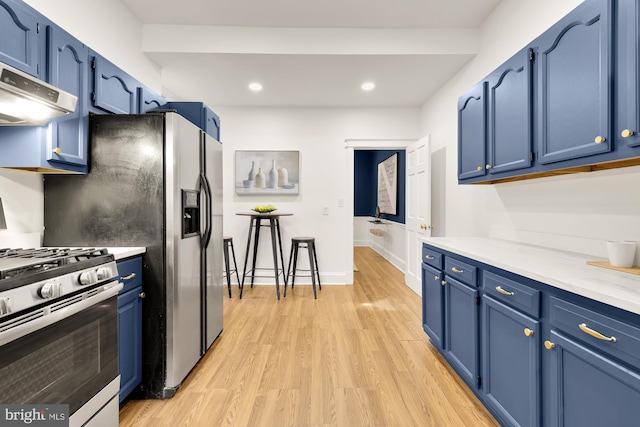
(182, 175)
(212, 155)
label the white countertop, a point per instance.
(564, 270)
(126, 252)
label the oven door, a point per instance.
(66, 355)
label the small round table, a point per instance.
(274, 226)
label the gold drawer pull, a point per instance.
(549, 345)
(436, 278)
(599, 139)
(129, 277)
(503, 292)
(428, 257)
(479, 168)
(528, 332)
(626, 133)
(142, 295)
(584, 328)
(455, 270)
(443, 283)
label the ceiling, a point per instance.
(309, 53)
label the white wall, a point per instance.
(575, 212)
(391, 244)
(319, 134)
(23, 202)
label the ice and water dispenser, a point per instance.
(190, 213)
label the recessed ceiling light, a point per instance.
(256, 87)
(367, 86)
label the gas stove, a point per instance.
(33, 277)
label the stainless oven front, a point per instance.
(65, 353)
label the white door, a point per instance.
(418, 208)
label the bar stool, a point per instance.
(228, 243)
(310, 244)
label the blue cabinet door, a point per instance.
(130, 340)
(67, 138)
(149, 100)
(510, 114)
(19, 36)
(589, 389)
(461, 329)
(472, 132)
(574, 71)
(114, 90)
(627, 122)
(433, 304)
(511, 357)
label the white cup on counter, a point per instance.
(621, 254)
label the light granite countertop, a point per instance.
(126, 252)
(564, 270)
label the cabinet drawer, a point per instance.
(130, 272)
(461, 270)
(512, 293)
(598, 330)
(431, 257)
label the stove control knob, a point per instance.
(88, 278)
(49, 290)
(104, 273)
(5, 306)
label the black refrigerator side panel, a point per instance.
(120, 202)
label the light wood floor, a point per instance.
(356, 356)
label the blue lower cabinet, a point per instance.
(432, 304)
(589, 389)
(511, 356)
(130, 340)
(461, 326)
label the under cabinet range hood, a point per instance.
(28, 101)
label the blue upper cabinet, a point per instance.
(149, 100)
(67, 69)
(510, 114)
(114, 90)
(198, 114)
(627, 125)
(574, 90)
(472, 132)
(19, 36)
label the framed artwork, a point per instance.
(267, 172)
(388, 185)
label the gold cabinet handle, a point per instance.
(503, 292)
(528, 332)
(626, 133)
(142, 295)
(431, 226)
(479, 168)
(428, 257)
(599, 139)
(443, 283)
(455, 270)
(549, 345)
(57, 150)
(587, 330)
(487, 166)
(129, 277)
(436, 277)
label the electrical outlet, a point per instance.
(325, 210)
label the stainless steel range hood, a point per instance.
(28, 101)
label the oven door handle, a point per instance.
(30, 326)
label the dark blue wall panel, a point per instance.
(366, 182)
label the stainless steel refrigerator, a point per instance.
(155, 180)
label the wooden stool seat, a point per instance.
(310, 244)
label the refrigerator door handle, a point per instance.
(206, 236)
